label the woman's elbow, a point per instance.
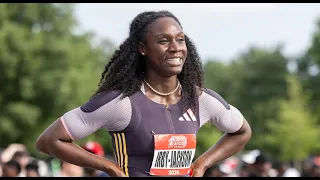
(43, 144)
(246, 132)
(243, 135)
(40, 144)
(47, 140)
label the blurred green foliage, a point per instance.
(47, 69)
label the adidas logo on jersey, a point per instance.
(188, 116)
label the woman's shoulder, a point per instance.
(204, 90)
(101, 99)
(207, 93)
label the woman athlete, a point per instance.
(152, 102)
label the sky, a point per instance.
(220, 31)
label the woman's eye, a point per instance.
(163, 41)
(181, 39)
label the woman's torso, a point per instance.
(134, 146)
(133, 121)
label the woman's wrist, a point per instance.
(202, 162)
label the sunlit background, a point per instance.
(263, 58)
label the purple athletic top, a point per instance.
(131, 122)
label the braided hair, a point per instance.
(125, 70)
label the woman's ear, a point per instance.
(142, 49)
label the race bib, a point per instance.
(173, 154)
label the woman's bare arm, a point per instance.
(228, 145)
(56, 142)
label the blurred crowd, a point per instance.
(15, 161)
(258, 164)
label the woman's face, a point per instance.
(165, 47)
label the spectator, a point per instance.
(69, 170)
(213, 172)
(22, 157)
(307, 168)
(228, 167)
(262, 166)
(245, 170)
(316, 171)
(32, 169)
(11, 169)
(284, 170)
(43, 168)
(7, 153)
(248, 160)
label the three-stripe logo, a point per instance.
(188, 116)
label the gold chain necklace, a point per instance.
(162, 94)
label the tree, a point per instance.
(308, 71)
(261, 79)
(217, 77)
(294, 131)
(45, 68)
(223, 78)
(253, 83)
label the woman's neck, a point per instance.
(162, 84)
